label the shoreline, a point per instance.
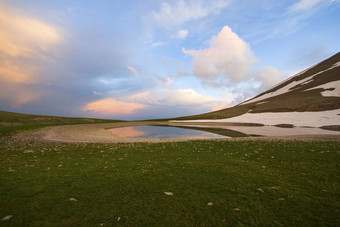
(98, 133)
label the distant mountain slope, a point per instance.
(13, 122)
(313, 90)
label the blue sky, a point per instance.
(155, 59)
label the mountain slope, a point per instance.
(316, 89)
(13, 122)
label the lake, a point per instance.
(162, 132)
(204, 131)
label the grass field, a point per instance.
(244, 182)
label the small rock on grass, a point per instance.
(29, 151)
(237, 209)
(73, 199)
(168, 193)
(210, 204)
(260, 189)
(281, 199)
(6, 218)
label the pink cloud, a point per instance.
(111, 106)
(132, 70)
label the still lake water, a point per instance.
(162, 132)
(203, 131)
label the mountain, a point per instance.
(311, 97)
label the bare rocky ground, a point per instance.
(98, 133)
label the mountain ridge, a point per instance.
(312, 90)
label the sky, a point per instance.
(147, 59)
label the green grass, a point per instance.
(11, 123)
(270, 183)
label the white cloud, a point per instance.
(170, 97)
(187, 96)
(304, 5)
(157, 44)
(227, 62)
(166, 81)
(183, 11)
(268, 76)
(227, 57)
(177, 98)
(182, 34)
(132, 70)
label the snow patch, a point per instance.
(333, 84)
(309, 119)
(288, 87)
(282, 90)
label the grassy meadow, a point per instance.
(245, 183)
(193, 183)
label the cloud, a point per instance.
(269, 76)
(170, 97)
(111, 106)
(11, 72)
(157, 44)
(132, 70)
(180, 72)
(227, 57)
(304, 5)
(24, 42)
(176, 102)
(227, 62)
(182, 11)
(182, 34)
(97, 93)
(218, 105)
(166, 81)
(166, 63)
(187, 96)
(25, 36)
(17, 96)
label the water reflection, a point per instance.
(127, 132)
(268, 130)
(164, 132)
(205, 131)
